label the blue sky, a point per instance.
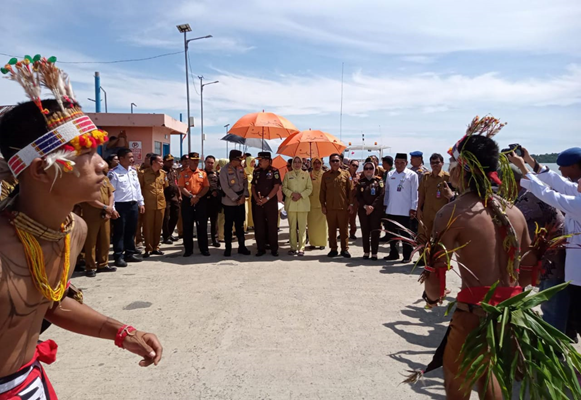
(415, 71)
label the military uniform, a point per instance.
(235, 187)
(431, 199)
(213, 204)
(172, 204)
(153, 185)
(98, 239)
(369, 192)
(335, 196)
(266, 215)
(194, 182)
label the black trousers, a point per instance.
(406, 222)
(170, 219)
(195, 215)
(214, 208)
(234, 215)
(370, 228)
(266, 225)
(124, 229)
(574, 325)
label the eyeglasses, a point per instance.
(355, 165)
(334, 161)
(368, 169)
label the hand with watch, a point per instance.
(194, 199)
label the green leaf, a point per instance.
(557, 334)
(4, 70)
(503, 324)
(514, 300)
(490, 293)
(28, 58)
(542, 296)
(52, 59)
(13, 61)
(37, 58)
(494, 311)
(449, 308)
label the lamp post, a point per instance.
(185, 28)
(105, 93)
(202, 109)
(226, 126)
(133, 105)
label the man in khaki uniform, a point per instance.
(97, 215)
(431, 194)
(337, 204)
(139, 234)
(153, 181)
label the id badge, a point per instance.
(373, 191)
(399, 188)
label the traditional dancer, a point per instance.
(51, 147)
(493, 333)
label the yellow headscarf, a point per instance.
(249, 168)
(221, 163)
(316, 174)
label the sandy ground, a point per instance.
(257, 328)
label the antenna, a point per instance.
(341, 114)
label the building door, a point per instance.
(165, 149)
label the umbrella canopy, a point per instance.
(280, 163)
(256, 143)
(309, 144)
(263, 125)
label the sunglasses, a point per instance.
(355, 165)
(334, 161)
(368, 169)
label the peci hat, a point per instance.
(235, 155)
(569, 157)
(194, 156)
(401, 156)
(264, 155)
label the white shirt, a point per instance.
(565, 198)
(401, 192)
(126, 184)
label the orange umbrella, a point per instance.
(309, 144)
(280, 163)
(263, 125)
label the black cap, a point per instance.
(235, 155)
(264, 155)
(194, 156)
(401, 156)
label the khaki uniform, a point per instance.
(98, 239)
(430, 195)
(297, 182)
(335, 196)
(152, 186)
(139, 232)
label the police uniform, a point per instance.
(235, 187)
(213, 204)
(153, 185)
(128, 198)
(266, 215)
(196, 183)
(369, 192)
(172, 202)
(335, 196)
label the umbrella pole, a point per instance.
(262, 143)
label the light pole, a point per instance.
(105, 93)
(185, 28)
(202, 109)
(226, 126)
(133, 105)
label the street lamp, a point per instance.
(185, 28)
(105, 98)
(202, 109)
(133, 105)
(226, 126)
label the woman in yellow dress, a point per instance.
(297, 188)
(316, 220)
(249, 170)
(221, 218)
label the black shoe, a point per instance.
(167, 241)
(421, 263)
(321, 247)
(353, 237)
(391, 257)
(366, 257)
(174, 238)
(244, 251)
(373, 258)
(274, 253)
(216, 244)
(179, 237)
(345, 254)
(137, 251)
(106, 269)
(91, 273)
(120, 263)
(406, 260)
(206, 253)
(145, 255)
(188, 253)
(227, 252)
(333, 253)
(157, 252)
(260, 253)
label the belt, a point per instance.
(126, 202)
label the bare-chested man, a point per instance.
(481, 226)
(40, 235)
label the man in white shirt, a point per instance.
(129, 204)
(401, 199)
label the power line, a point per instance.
(107, 62)
(192, 74)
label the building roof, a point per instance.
(104, 120)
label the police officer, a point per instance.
(194, 185)
(234, 184)
(129, 204)
(153, 181)
(265, 186)
(213, 199)
(369, 193)
(173, 198)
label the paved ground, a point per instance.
(257, 328)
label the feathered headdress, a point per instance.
(69, 130)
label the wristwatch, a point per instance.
(267, 198)
(192, 196)
(105, 208)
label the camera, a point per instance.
(516, 148)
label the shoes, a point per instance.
(406, 260)
(353, 237)
(157, 252)
(274, 253)
(188, 253)
(260, 253)
(145, 255)
(384, 239)
(133, 258)
(292, 252)
(216, 244)
(333, 253)
(90, 273)
(301, 253)
(373, 258)
(391, 257)
(106, 269)
(227, 252)
(345, 254)
(174, 238)
(139, 251)
(366, 256)
(321, 247)
(120, 263)
(244, 251)
(421, 262)
(206, 253)
(167, 241)
(179, 237)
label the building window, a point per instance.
(157, 148)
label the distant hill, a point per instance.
(546, 158)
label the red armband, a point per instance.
(122, 334)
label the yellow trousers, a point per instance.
(248, 222)
(152, 224)
(317, 223)
(221, 222)
(297, 221)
